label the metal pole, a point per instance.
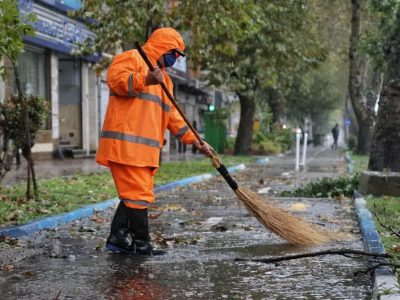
(298, 135)
(303, 163)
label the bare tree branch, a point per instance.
(374, 267)
(388, 227)
(344, 252)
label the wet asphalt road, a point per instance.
(203, 228)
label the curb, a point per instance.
(56, 220)
(87, 211)
(262, 161)
(350, 168)
(386, 286)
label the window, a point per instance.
(32, 72)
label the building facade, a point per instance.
(48, 68)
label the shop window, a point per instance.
(32, 70)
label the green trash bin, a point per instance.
(215, 131)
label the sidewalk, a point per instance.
(68, 166)
(203, 228)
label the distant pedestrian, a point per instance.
(335, 134)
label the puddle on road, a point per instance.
(191, 272)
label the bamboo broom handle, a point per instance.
(214, 158)
(164, 87)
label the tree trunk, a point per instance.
(276, 104)
(6, 156)
(385, 151)
(364, 136)
(27, 146)
(385, 148)
(355, 83)
(245, 130)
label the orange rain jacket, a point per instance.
(138, 115)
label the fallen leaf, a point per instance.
(7, 268)
(100, 245)
(264, 190)
(197, 213)
(86, 229)
(248, 228)
(43, 211)
(341, 197)
(27, 274)
(396, 248)
(298, 206)
(98, 219)
(174, 207)
(154, 216)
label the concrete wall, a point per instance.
(2, 84)
(55, 121)
(85, 108)
(93, 110)
(380, 183)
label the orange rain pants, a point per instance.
(134, 184)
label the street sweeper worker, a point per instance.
(132, 136)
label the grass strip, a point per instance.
(63, 194)
(387, 209)
(360, 162)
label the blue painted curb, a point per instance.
(57, 220)
(383, 277)
(262, 161)
(372, 241)
(87, 211)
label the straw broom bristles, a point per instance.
(293, 229)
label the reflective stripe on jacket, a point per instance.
(138, 115)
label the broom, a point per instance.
(291, 228)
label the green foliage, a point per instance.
(379, 24)
(267, 147)
(352, 142)
(12, 28)
(221, 115)
(313, 96)
(118, 24)
(327, 187)
(247, 46)
(11, 111)
(230, 144)
(316, 93)
(277, 141)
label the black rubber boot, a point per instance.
(119, 239)
(139, 229)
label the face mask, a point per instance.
(169, 59)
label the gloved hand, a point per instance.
(154, 77)
(205, 148)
